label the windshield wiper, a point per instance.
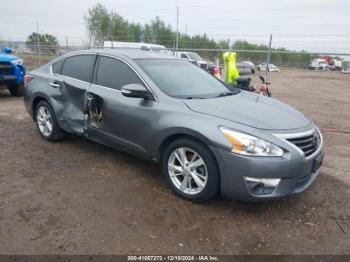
(224, 94)
(193, 97)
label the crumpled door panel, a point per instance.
(73, 116)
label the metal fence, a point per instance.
(34, 56)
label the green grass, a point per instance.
(31, 61)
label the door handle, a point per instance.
(54, 84)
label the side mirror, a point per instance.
(136, 91)
(7, 50)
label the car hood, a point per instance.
(251, 109)
(7, 58)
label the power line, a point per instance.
(262, 19)
(270, 9)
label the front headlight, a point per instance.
(17, 62)
(245, 144)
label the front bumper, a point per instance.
(296, 173)
(8, 80)
(12, 74)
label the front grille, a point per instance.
(308, 144)
(6, 68)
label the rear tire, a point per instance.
(46, 122)
(197, 179)
(16, 90)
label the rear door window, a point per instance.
(79, 67)
(115, 74)
(57, 67)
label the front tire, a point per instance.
(190, 169)
(16, 90)
(46, 122)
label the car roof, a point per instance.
(130, 53)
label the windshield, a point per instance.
(182, 79)
(194, 56)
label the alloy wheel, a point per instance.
(44, 120)
(187, 170)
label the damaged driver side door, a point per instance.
(116, 120)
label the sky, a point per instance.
(312, 25)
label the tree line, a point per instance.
(104, 25)
(44, 43)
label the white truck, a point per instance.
(319, 64)
(346, 67)
(142, 46)
(193, 58)
(337, 64)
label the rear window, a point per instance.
(79, 67)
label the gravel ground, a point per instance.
(77, 197)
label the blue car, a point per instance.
(12, 72)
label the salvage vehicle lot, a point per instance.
(77, 197)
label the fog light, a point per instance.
(261, 186)
(267, 182)
(258, 189)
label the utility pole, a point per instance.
(268, 58)
(38, 42)
(110, 30)
(89, 41)
(67, 44)
(177, 29)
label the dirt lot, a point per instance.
(77, 197)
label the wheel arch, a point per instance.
(36, 100)
(197, 137)
(169, 137)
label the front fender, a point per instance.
(164, 135)
(20, 73)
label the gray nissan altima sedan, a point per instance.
(208, 138)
